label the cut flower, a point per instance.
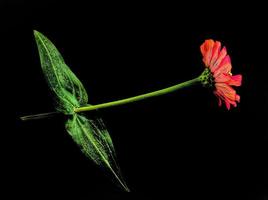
(218, 73)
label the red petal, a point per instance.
(224, 67)
(226, 90)
(235, 80)
(223, 78)
(228, 105)
(215, 52)
(206, 50)
(237, 98)
(221, 56)
(227, 94)
(219, 98)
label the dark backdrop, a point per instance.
(181, 144)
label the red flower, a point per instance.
(219, 67)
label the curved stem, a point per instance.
(120, 102)
(139, 97)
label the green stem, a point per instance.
(122, 101)
(139, 97)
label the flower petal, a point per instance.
(235, 80)
(227, 104)
(227, 94)
(206, 50)
(221, 56)
(237, 98)
(215, 52)
(226, 90)
(219, 97)
(224, 67)
(223, 78)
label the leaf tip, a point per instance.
(127, 189)
(35, 32)
(38, 35)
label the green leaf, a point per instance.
(69, 91)
(94, 140)
(90, 134)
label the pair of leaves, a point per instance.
(90, 134)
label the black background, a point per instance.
(179, 145)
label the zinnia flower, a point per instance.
(218, 73)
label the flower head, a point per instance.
(218, 73)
